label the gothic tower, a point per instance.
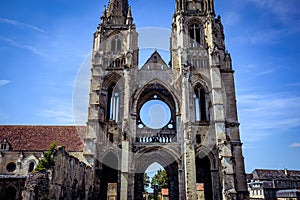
(199, 144)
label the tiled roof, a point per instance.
(164, 191)
(200, 187)
(266, 174)
(39, 138)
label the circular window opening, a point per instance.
(155, 114)
(11, 167)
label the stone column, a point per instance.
(223, 146)
(188, 149)
(125, 143)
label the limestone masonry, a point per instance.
(198, 145)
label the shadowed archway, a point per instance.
(167, 160)
(109, 177)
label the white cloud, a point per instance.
(22, 46)
(231, 18)
(4, 82)
(295, 145)
(262, 73)
(58, 111)
(21, 25)
(264, 115)
(286, 11)
(271, 36)
(294, 84)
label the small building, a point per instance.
(22, 147)
(273, 184)
(164, 194)
(293, 194)
(200, 191)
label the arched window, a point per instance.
(116, 44)
(200, 104)
(119, 45)
(113, 103)
(195, 33)
(113, 45)
(199, 61)
(31, 167)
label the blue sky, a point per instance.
(44, 46)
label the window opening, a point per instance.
(116, 44)
(3, 146)
(195, 36)
(111, 137)
(113, 103)
(11, 167)
(119, 45)
(31, 167)
(200, 104)
(113, 45)
(198, 139)
(155, 114)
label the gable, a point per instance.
(155, 62)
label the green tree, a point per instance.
(160, 179)
(47, 162)
(146, 181)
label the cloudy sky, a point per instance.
(45, 46)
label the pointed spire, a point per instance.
(104, 15)
(129, 16)
(118, 8)
(129, 12)
(104, 12)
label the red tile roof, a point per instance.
(164, 191)
(39, 138)
(200, 187)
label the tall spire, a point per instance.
(118, 8)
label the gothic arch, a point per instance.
(196, 33)
(201, 98)
(109, 79)
(135, 99)
(111, 84)
(31, 162)
(115, 41)
(167, 159)
(204, 151)
(10, 192)
(163, 156)
(207, 172)
(109, 172)
(200, 78)
(112, 153)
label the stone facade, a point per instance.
(69, 179)
(21, 148)
(198, 144)
(11, 187)
(201, 141)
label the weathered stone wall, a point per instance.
(11, 187)
(69, 179)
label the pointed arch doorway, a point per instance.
(166, 160)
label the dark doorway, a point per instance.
(109, 185)
(203, 177)
(10, 193)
